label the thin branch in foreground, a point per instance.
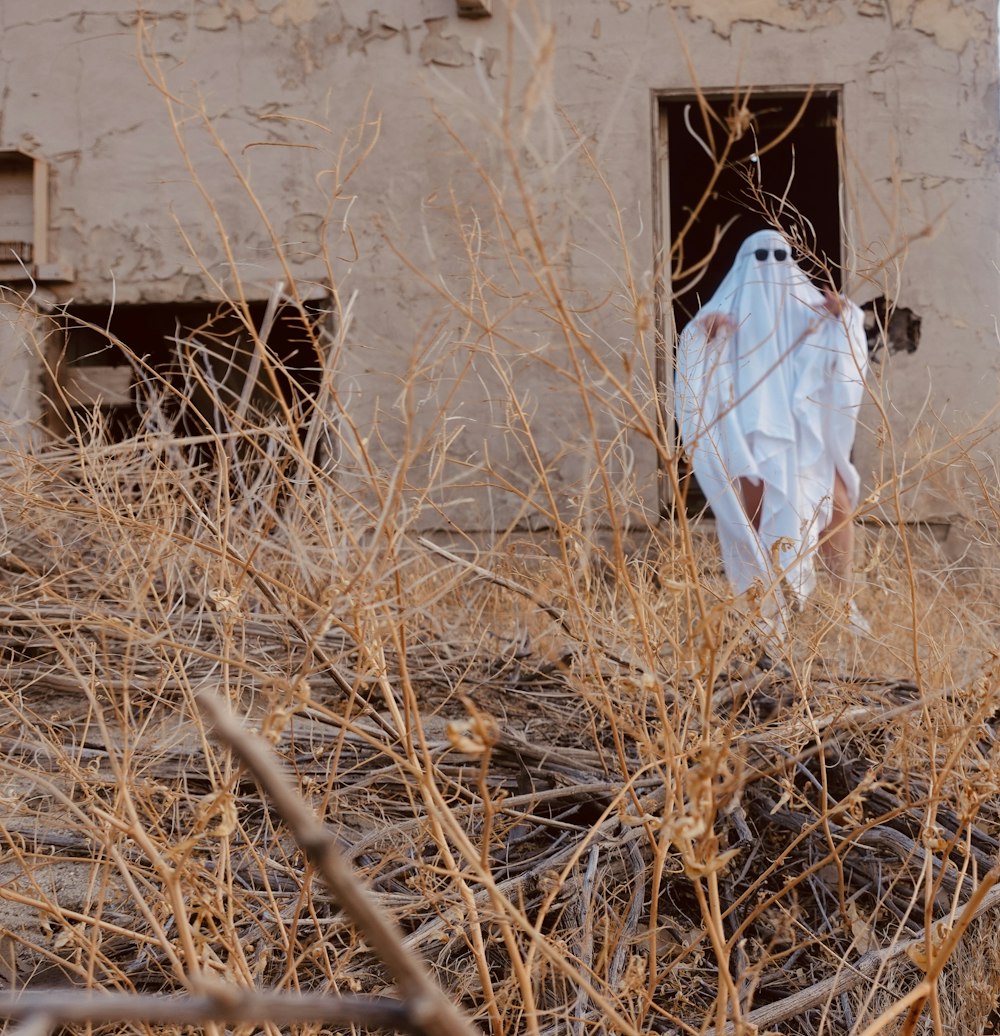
(427, 1008)
(43, 1009)
(986, 896)
(529, 594)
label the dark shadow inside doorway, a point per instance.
(734, 165)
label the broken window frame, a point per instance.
(88, 370)
(22, 260)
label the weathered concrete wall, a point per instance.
(295, 90)
(23, 343)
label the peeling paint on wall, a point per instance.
(377, 29)
(439, 49)
(951, 23)
(294, 12)
(797, 15)
(213, 16)
(951, 26)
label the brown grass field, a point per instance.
(581, 805)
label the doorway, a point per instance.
(729, 164)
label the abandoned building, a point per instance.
(419, 175)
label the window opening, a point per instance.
(174, 341)
(781, 167)
(23, 214)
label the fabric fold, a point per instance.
(771, 396)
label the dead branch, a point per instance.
(529, 594)
(427, 1008)
(225, 1004)
(865, 967)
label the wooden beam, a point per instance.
(40, 182)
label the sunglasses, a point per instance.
(781, 254)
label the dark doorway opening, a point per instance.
(176, 349)
(730, 165)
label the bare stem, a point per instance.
(427, 1008)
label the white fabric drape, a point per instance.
(772, 397)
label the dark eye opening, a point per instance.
(779, 254)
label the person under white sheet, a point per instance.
(769, 379)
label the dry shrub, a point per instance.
(547, 747)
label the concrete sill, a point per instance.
(40, 273)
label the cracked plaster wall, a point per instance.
(286, 82)
(22, 342)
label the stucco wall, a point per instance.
(295, 90)
(22, 340)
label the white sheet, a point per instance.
(774, 399)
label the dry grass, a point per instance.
(550, 756)
(582, 807)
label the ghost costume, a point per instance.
(773, 398)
